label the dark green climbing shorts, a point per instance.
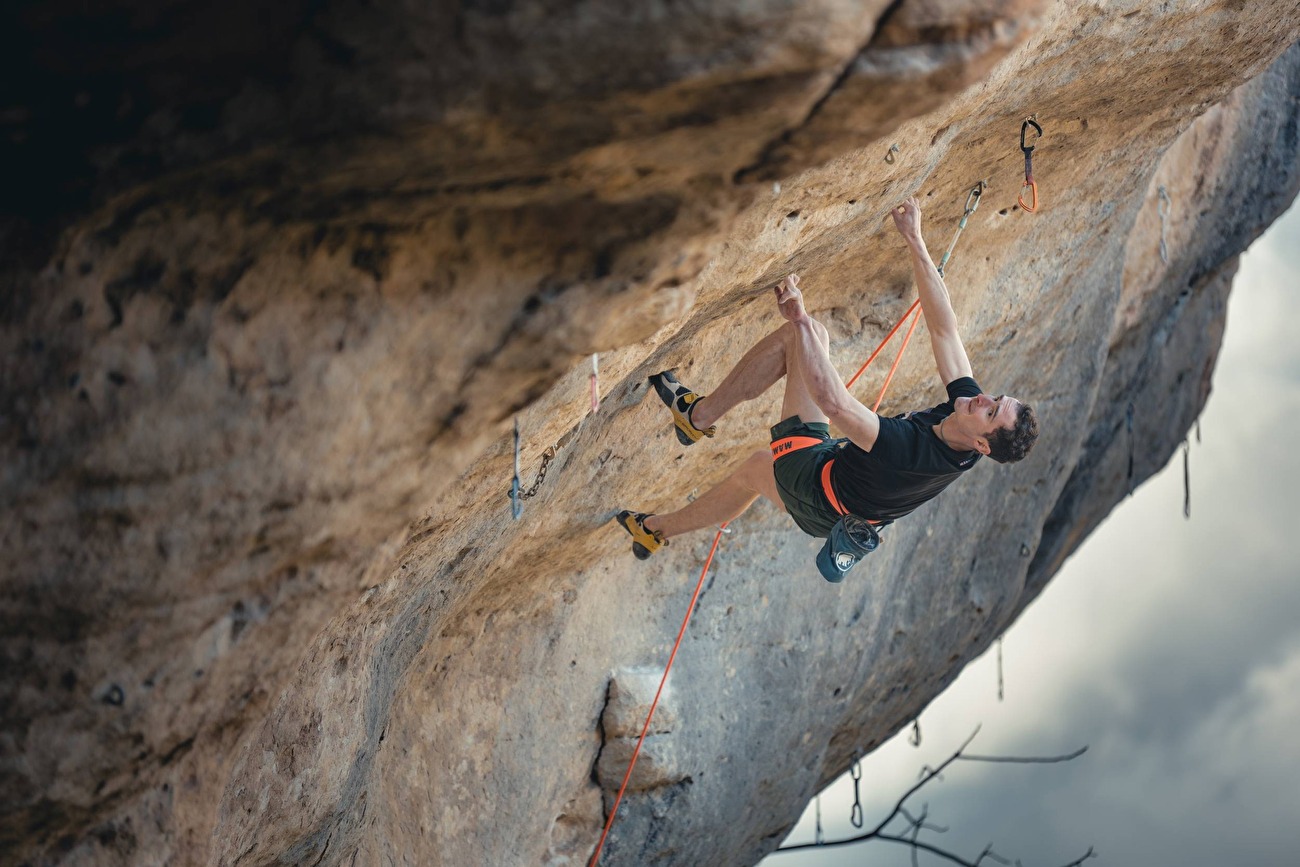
(797, 467)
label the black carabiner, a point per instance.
(1024, 128)
(1032, 205)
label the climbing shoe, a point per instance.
(681, 400)
(644, 542)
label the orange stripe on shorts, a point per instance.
(789, 445)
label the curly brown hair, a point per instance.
(1008, 445)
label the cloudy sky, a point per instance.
(1170, 647)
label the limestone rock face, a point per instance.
(274, 282)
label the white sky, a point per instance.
(1170, 647)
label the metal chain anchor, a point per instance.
(547, 457)
(517, 495)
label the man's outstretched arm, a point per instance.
(824, 385)
(949, 352)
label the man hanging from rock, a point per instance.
(843, 490)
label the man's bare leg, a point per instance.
(725, 502)
(728, 500)
(760, 368)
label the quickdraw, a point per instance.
(1031, 206)
(855, 815)
(972, 203)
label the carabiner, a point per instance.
(1024, 128)
(973, 198)
(1032, 205)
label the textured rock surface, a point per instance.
(273, 287)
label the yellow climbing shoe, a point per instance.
(644, 542)
(681, 400)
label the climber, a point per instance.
(843, 490)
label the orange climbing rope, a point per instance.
(914, 309)
(667, 668)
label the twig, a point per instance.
(918, 823)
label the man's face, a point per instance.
(981, 415)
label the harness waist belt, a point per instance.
(788, 445)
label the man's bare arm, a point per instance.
(855, 420)
(949, 352)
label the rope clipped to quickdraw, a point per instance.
(1162, 207)
(819, 837)
(699, 585)
(1187, 479)
(915, 737)
(1031, 206)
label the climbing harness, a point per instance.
(699, 585)
(1162, 207)
(855, 815)
(516, 502)
(1029, 164)
(595, 386)
(972, 203)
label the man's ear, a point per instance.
(982, 446)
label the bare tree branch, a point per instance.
(916, 824)
(1026, 760)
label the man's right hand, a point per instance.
(790, 300)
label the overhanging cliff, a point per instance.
(270, 305)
